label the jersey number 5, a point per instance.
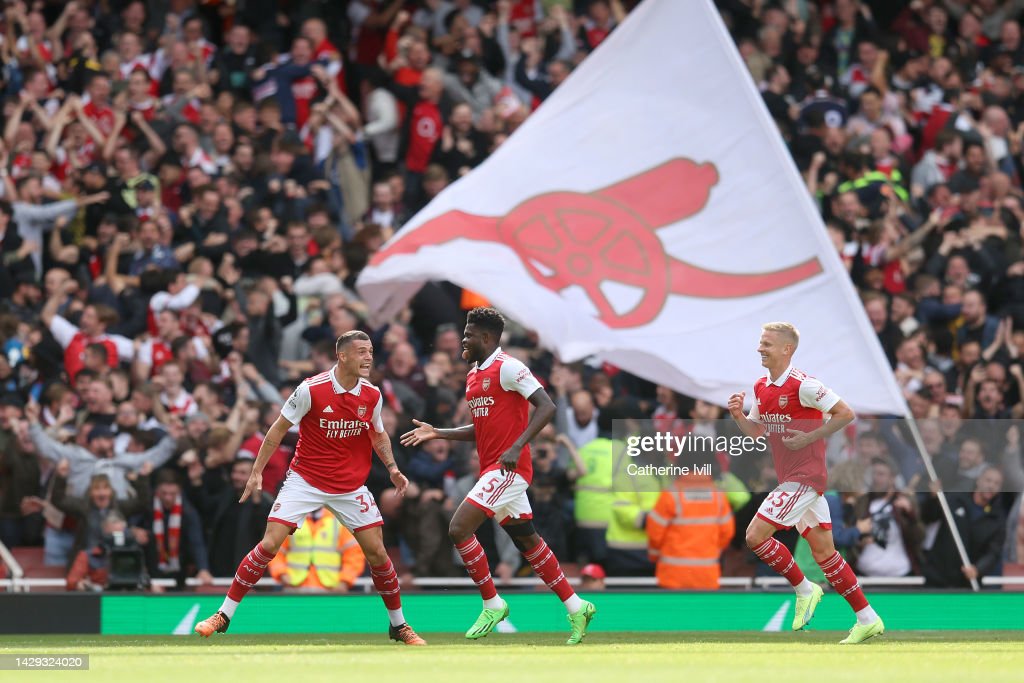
(490, 485)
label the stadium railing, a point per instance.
(13, 568)
(364, 584)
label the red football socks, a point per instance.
(841, 577)
(545, 564)
(475, 559)
(385, 580)
(249, 572)
(780, 560)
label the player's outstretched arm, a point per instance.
(267, 449)
(543, 412)
(747, 426)
(427, 432)
(382, 446)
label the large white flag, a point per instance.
(649, 214)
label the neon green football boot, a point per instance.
(805, 607)
(580, 620)
(859, 633)
(488, 619)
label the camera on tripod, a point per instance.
(126, 562)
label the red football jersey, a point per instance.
(795, 401)
(425, 131)
(74, 342)
(103, 117)
(334, 451)
(497, 391)
(155, 352)
(276, 467)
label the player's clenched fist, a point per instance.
(735, 404)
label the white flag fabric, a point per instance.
(649, 214)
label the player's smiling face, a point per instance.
(473, 350)
(771, 348)
(357, 358)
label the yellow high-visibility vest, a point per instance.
(315, 546)
(594, 489)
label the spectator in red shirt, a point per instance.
(98, 109)
(129, 51)
(140, 94)
(91, 329)
(295, 82)
(324, 51)
(599, 21)
(426, 122)
(371, 19)
(199, 47)
(183, 104)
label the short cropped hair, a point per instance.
(166, 476)
(787, 330)
(349, 337)
(487, 319)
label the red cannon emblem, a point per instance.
(609, 235)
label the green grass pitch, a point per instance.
(904, 657)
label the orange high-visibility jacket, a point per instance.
(321, 554)
(687, 530)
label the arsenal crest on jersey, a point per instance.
(486, 384)
(361, 412)
(783, 400)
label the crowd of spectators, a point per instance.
(188, 191)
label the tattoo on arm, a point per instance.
(382, 445)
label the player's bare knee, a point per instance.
(822, 552)
(524, 535)
(376, 556)
(755, 537)
(274, 537)
(458, 532)
(270, 544)
(520, 542)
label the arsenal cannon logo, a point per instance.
(609, 235)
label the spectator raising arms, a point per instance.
(187, 199)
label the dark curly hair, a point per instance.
(487, 319)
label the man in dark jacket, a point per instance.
(175, 545)
(981, 520)
(235, 527)
(19, 477)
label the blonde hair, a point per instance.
(785, 329)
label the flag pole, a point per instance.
(940, 494)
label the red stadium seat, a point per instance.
(31, 561)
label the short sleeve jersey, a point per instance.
(498, 392)
(794, 401)
(335, 448)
